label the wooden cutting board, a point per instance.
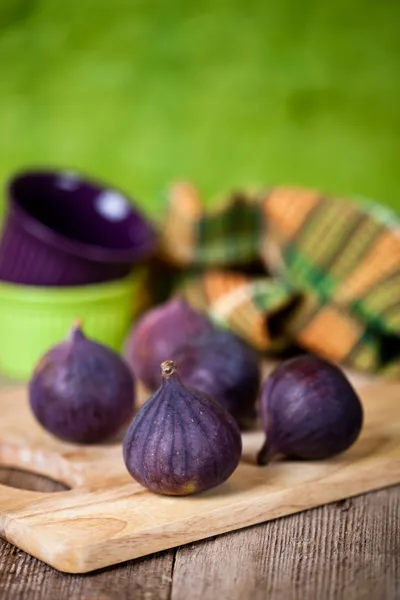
(107, 518)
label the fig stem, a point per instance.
(76, 332)
(264, 455)
(168, 368)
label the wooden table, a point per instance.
(347, 550)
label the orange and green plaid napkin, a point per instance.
(328, 277)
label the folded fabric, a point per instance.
(329, 276)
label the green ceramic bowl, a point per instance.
(34, 318)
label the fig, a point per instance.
(309, 410)
(157, 334)
(81, 391)
(181, 441)
(223, 366)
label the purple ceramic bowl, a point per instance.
(63, 230)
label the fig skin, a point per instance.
(82, 391)
(181, 441)
(223, 366)
(309, 411)
(157, 334)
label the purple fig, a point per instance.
(309, 410)
(156, 336)
(81, 391)
(224, 367)
(181, 441)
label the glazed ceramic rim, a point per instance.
(94, 292)
(75, 248)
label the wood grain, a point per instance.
(23, 577)
(108, 518)
(348, 550)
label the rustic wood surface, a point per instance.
(347, 550)
(107, 518)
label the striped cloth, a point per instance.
(292, 266)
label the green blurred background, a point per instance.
(223, 92)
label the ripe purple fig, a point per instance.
(224, 367)
(309, 410)
(156, 336)
(81, 391)
(181, 441)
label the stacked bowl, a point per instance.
(69, 248)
